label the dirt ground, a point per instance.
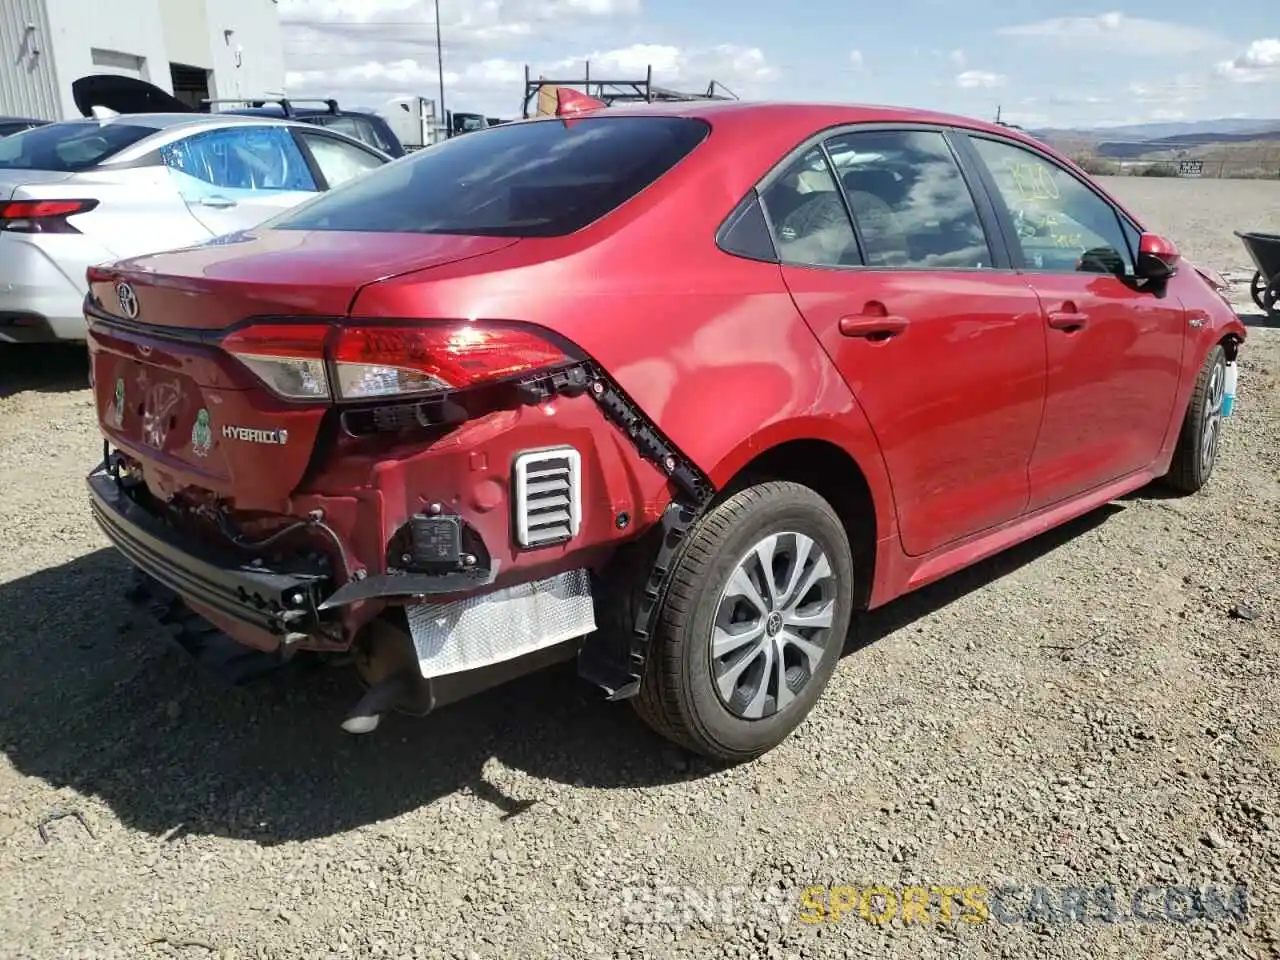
(1095, 708)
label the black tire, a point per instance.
(1257, 288)
(678, 696)
(1192, 462)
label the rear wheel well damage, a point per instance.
(836, 477)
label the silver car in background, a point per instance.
(84, 192)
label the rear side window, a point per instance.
(810, 221)
(546, 178)
(68, 147)
(338, 160)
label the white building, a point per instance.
(190, 48)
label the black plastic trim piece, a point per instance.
(620, 672)
(387, 585)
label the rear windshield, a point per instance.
(67, 147)
(541, 179)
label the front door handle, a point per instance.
(1068, 320)
(218, 203)
(872, 326)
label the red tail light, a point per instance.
(42, 216)
(379, 361)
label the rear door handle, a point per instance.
(870, 326)
(1068, 320)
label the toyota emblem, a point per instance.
(128, 300)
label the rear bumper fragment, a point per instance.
(279, 603)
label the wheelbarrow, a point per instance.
(1264, 250)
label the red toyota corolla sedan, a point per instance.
(673, 390)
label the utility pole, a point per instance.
(442, 116)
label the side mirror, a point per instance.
(1158, 257)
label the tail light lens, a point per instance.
(288, 358)
(42, 216)
(385, 361)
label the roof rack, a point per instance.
(611, 91)
(285, 103)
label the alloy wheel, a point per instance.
(1212, 430)
(773, 625)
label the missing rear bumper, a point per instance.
(283, 604)
(458, 648)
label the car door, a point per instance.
(912, 298)
(234, 177)
(1114, 343)
(337, 160)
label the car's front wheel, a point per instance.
(1197, 451)
(753, 623)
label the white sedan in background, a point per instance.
(83, 192)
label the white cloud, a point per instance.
(365, 52)
(1119, 33)
(497, 84)
(1077, 99)
(979, 80)
(957, 58)
(1259, 63)
(856, 58)
(672, 65)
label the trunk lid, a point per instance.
(278, 273)
(12, 179)
(169, 395)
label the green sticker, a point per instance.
(201, 434)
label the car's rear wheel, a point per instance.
(753, 623)
(1197, 451)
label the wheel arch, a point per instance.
(853, 481)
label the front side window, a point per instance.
(249, 158)
(338, 161)
(807, 215)
(910, 201)
(546, 178)
(1061, 225)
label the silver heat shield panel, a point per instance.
(507, 623)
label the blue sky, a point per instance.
(1043, 63)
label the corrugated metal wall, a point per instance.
(28, 82)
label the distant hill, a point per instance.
(1233, 126)
(1131, 150)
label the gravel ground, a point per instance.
(1093, 708)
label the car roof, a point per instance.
(803, 118)
(169, 121)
